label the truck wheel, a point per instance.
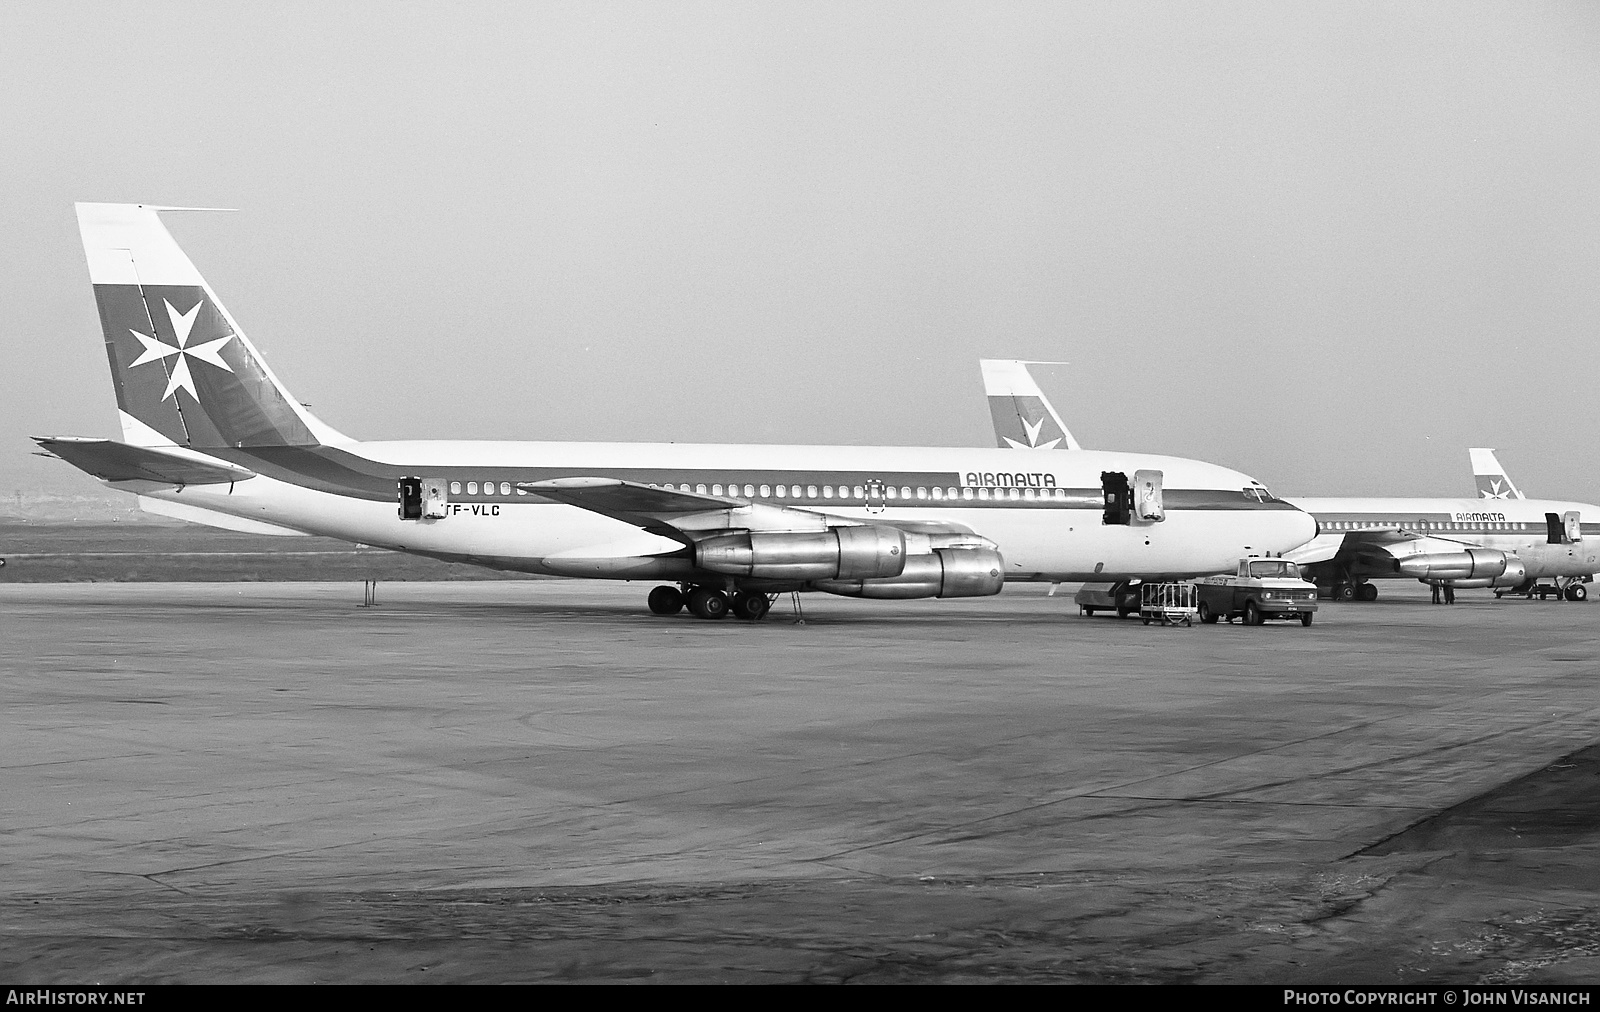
(1305, 618)
(1086, 610)
(1207, 616)
(1252, 614)
(1124, 612)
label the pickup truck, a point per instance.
(1259, 590)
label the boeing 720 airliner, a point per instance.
(211, 435)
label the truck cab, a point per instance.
(1259, 589)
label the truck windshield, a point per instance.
(1275, 567)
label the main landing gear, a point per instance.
(1349, 591)
(708, 602)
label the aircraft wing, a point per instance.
(668, 512)
(110, 460)
(681, 515)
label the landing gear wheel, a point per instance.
(1207, 616)
(1344, 592)
(1576, 592)
(1086, 610)
(1367, 592)
(665, 601)
(1252, 614)
(1305, 618)
(707, 603)
(749, 605)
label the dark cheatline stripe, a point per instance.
(340, 472)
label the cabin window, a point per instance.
(889, 492)
(472, 488)
(983, 493)
(700, 489)
(716, 489)
(505, 488)
(860, 492)
(455, 488)
(827, 491)
(966, 493)
(766, 490)
(938, 493)
(749, 490)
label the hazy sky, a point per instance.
(1330, 244)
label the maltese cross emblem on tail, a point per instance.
(155, 351)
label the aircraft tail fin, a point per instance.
(1493, 482)
(1023, 418)
(184, 373)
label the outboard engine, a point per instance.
(1471, 564)
(839, 553)
(944, 572)
(1515, 575)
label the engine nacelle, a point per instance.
(1516, 575)
(1472, 564)
(839, 553)
(945, 572)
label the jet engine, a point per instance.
(839, 553)
(1515, 575)
(1471, 564)
(945, 572)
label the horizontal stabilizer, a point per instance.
(109, 460)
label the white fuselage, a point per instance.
(1047, 524)
(1517, 527)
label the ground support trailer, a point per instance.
(1168, 603)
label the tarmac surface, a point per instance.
(540, 781)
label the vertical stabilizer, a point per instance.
(184, 373)
(1493, 482)
(1023, 419)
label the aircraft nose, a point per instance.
(1299, 527)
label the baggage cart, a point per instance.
(1167, 603)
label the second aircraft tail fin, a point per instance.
(1023, 419)
(1493, 482)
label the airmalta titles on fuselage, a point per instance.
(212, 435)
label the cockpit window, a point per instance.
(1257, 492)
(1275, 567)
